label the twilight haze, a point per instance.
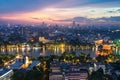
(60, 11)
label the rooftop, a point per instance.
(34, 63)
(3, 71)
(56, 73)
(16, 65)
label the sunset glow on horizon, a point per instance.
(54, 11)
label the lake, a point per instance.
(48, 50)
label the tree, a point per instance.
(100, 70)
(84, 57)
(33, 75)
(100, 58)
(117, 65)
(19, 75)
(108, 77)
(96, 76)
(1, 62)
(118, 78)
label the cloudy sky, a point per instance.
(56, 11)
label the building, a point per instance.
(77, 75)
(25, 60)
(44, 40)
(77, 72)
(5, 74)
(55, 68)
(56, 73)
(73, 24)
(56, 76)
(34, 63)
(17, 65)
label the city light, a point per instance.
(60, 40)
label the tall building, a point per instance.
(8, 25)
(73, 24)
(25, 60)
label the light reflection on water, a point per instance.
(51, 50)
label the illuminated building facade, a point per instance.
(103, 48)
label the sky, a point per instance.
(59, 11)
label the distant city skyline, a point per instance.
(60, 11)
